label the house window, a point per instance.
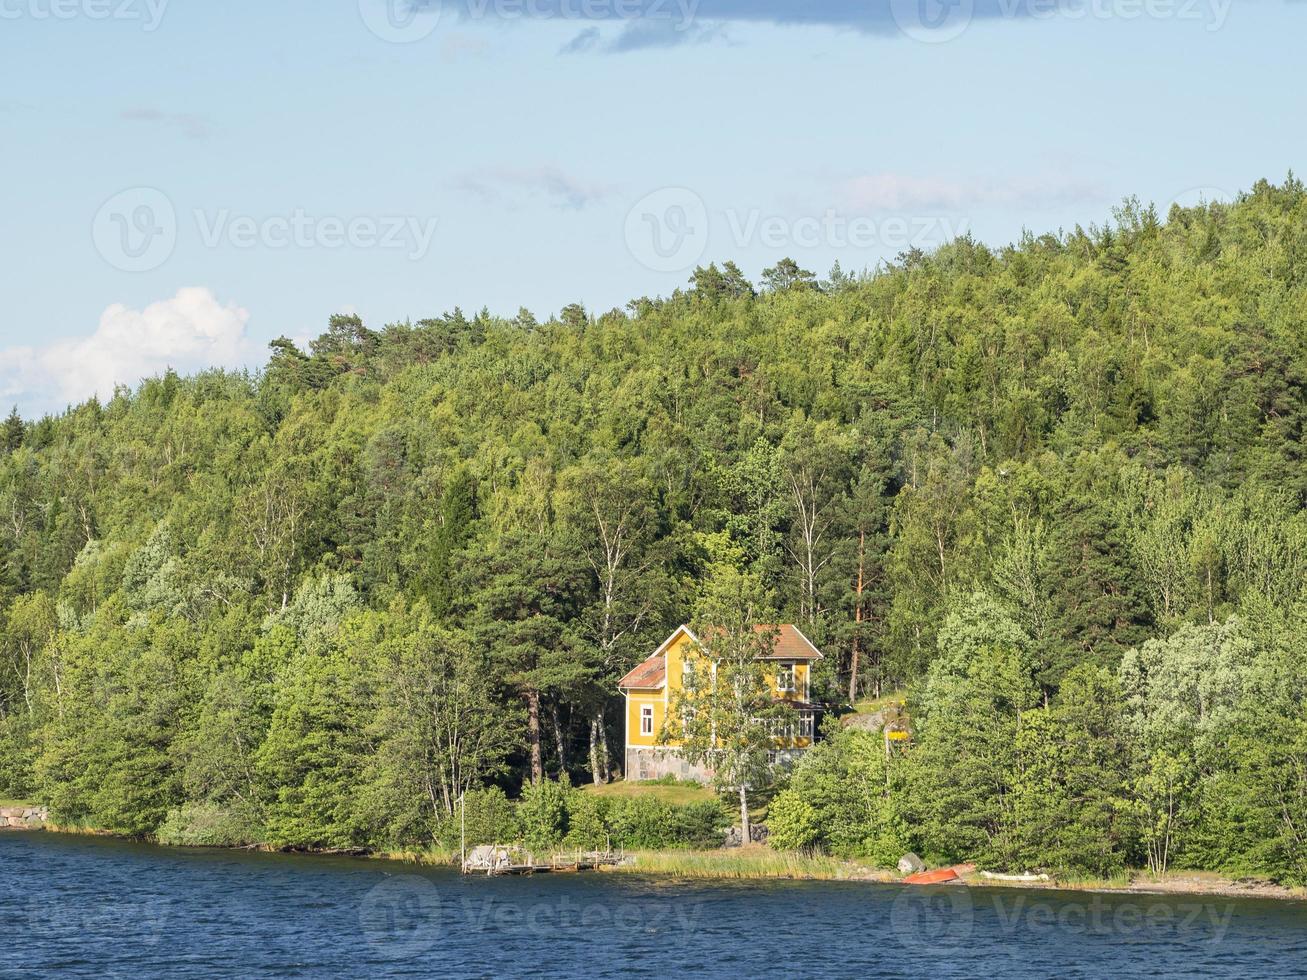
(785, 678)
(646, 720)
(805, 724)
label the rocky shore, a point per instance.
(24, 817)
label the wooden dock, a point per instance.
(493, 860)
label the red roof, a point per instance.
(648, 675)
(789, 643)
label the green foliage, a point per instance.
(588, 822)
(793, 822)
(853, 790)
(543, 812)
(209, 825)
(1070, 791)
(648, 823)
(332, 596)
(960, 775)
(491, 818)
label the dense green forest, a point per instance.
(1054, 491)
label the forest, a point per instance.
(1051, 492)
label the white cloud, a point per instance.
(193, 126)
(190, 331)
(506, 185)
(907, 192)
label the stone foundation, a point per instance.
(654, 763)
(24, 817)
(645, 764)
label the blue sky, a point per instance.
(184, 181)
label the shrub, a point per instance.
(792, 822)
(700, 825)
(641, 823)
(648, 823)
(842, 779)
(543, 812)
(209, 825)
(587, 822)
(491, 818)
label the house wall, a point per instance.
(635, 700)
(647, 758)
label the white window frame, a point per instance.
(806, 724)
(784, 671)
(646, 719)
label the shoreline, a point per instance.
(760, 863)
(710, 865)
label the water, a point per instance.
(77, 906)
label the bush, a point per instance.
(587, 822)
(792, 822)
(543, 812)
(648, 823)
(842, 780)
(209, 825)
(700, 825)
(491, 818)
(641, 823)
(553, 815)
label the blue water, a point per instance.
(76, 906)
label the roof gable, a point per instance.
(649, 676)
(790, 643)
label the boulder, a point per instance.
(874, 721)
(758, 834)
(910, 864)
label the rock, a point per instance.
(758, 834)
(910, 864)
(873, 722)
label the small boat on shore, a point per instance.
(939, 876)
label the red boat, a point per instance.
(938, 877)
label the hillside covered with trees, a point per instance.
(1056, 491)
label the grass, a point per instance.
(869, 705)
(744, 862)
(432, 856)
(678, 793)
(9, 803)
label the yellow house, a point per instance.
(650, 687)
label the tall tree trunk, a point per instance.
(560, 742)
(605, 760)
(598, 750)
(857, 619)
(533, 735)
(745, 836)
